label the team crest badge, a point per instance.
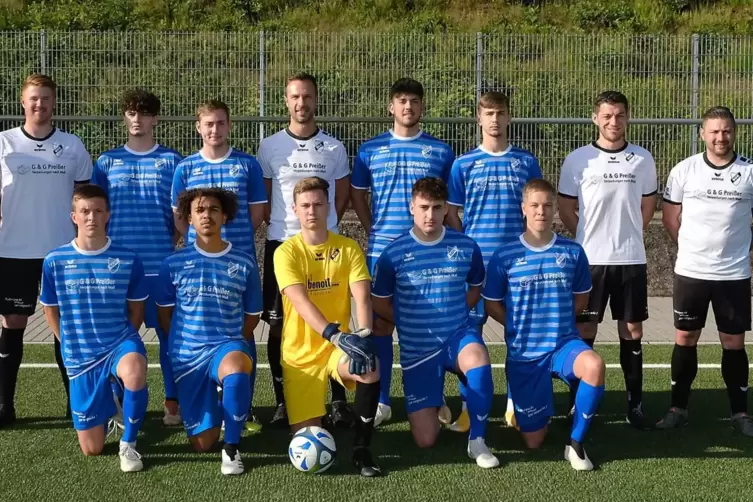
(232, 270)
(560, 258)
(454, 253)
(426, 151)
(113, 265)
(319, 146)
(57, 149)
(334, 254)
(235, 170)
(515, 164)
(735, 179)
(159, 164)
(629, 156)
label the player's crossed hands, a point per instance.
(358, 347)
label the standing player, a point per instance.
(209, 303)
(93, 293)
(534, 286)
(299, 151)
(426, 282)
(487, 183)
(39, 166)
(219, 165)
(708, 201)
(137, 178)
(607, 200)
(317, 272)
(388, 166)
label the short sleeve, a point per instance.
(358, 269)
(257, 190)
(164, 290)
(477, 273)
(495, 286)
(99, 174)
(138, 289)
(179, 182)
(341, 162)
(568, 186)
(649, 182)
(534, 169)
(456, 185)
(84, 166)
(48, 296)
(383, 283)
(287, 268)
(361, 177)
(262, 157)
(582, 278)
(252, 298)
(673, 190)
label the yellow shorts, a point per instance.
(305, 388)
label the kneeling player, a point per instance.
(317, 272)
(215, 292)
(534, 286)
(86, 286)
(426, 282)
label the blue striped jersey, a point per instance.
(389, 165)
(138, 186)
(91, 289)
(211, 293)
(237, 172)
(489, 188)
(427, 282)
(537, 287)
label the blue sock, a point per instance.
(463, 392)
(479, 395)
(134, 409)
(171, 390)
(586, 403)
(117, 389)
(236, 399)
(252, 383)
(384, 349)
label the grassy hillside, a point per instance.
(522, 16)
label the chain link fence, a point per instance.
(551, 79)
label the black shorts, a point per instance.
(729, 299)
(271, 292)
(625, 287)
(19, 285)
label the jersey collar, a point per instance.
(718, 168)
(220, 160)
(54, 130)
(606, 150)
(91, 253)
(539, 249)
(301, 138)
(432, 243)
(213, 255)
(496, 154)
(405, 138)
(147, 152)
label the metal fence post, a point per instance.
(694, 82)
(262, 70)
(43, 52)
(479, 74)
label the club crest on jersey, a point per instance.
(232, 270)
(319, 146)
(455, 254)
(735, 178)
(629, 156)
(426, 151)
(113, 265)
(159, 164)
(57, 149)
(560, 259)
(235, 170)
(515, 164)
(334, 254)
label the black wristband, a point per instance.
(332, 329)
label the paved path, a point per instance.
(658, 328)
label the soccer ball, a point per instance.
(312, 449)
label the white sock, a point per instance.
(509, 405)
(126, 443)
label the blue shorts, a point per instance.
(423, 381)
(150, 307)
(197, 390)
(531, 384)
(92, 400)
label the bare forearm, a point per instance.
(181, 225)
(164, 316)
(341, 204)
(361, 207)
(496, 311)
(383, 308)
(570, 220)
(136, 313)
(453, 221)
(648, 206)
(472, 296)
(249, 325)
(52, 314)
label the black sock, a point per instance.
(63, 373)
(230, 449)
(735, 374)
(574, 386)
(338, 391)
(631, 360)
(12, 348)
(274, 350)
(578, 448)
(684, 370)
(365, 406)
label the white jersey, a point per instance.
(714, 238)
(37, 177)
(287, 159)
(609, 186)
